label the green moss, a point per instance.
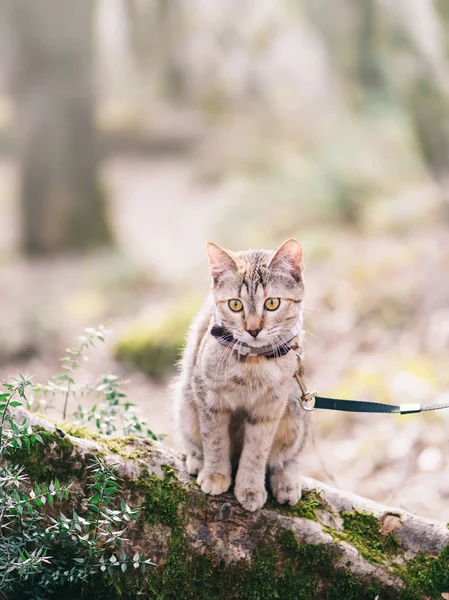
(310, 573)
(162, 497)
(304, 509)
(154, 348)
(425, 576)
(77, 430)
(56, 457)
(138, 454)
(363, 532)
(117, 445)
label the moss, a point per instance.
(310, 573)
(362, 530)
(63, 461)
(43, 465)
(117, 445)
(138, 454)
(304, 509)
(162, 497)
(154, 348)
(425, 576)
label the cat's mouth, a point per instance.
(263, 339)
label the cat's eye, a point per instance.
(272, 303)
(235, 305)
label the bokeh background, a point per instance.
(131, 131)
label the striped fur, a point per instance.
(245, 414)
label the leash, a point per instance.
(310, 401)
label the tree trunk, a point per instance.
(418, 34)
(332, 544)
(367, 53)
(51, 80)
(156, 32)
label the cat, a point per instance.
(236, 398)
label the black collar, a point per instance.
(243, 350)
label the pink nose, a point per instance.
(254, 332)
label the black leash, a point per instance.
(373, 407)
(310, 401)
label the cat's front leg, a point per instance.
(215, 476)
(250, 481)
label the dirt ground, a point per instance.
(377, 322)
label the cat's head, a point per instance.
(258, 293)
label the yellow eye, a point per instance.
(272, 303)
(235, 305)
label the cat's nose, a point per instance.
(254, 332)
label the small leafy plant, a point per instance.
(113, 414)
(45, 552)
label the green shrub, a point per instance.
(154, 348)
(45, 551)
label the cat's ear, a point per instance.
(221, 261)
(289, 256)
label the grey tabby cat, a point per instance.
(236, 399)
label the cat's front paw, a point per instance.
(286, 488)
(250, 498)
(213, 483)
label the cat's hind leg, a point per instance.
(283, 462)
(285, 482)
(189, 429)
(194, 461)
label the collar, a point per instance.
(243, 350)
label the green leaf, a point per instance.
(15, 403)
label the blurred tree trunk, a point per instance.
(51, 80)
(367, 55)
(352, 36)
(155, 30)
(417, 34)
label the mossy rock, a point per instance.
(286, 553)
(154, 348)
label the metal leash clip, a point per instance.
(307, 398)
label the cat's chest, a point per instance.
(242, 384)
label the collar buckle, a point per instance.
(307, 398)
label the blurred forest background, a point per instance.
(131, 131)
